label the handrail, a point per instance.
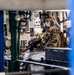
(33, 72)
(43, 64)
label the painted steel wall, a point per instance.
(32, 4)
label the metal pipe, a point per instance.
(35, 72)
(43, 64)
(58, 48)
(13, 64)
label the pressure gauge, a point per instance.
(17, 17)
